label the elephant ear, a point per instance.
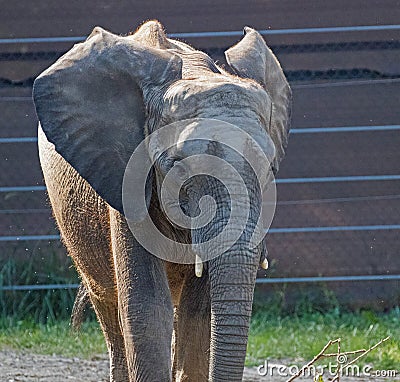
(251, 58)
(92, 105)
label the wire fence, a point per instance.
(266, 32)
(328, 228)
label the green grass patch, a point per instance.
(291, 337)
(300, 337)
(52, 338)
(39, 305)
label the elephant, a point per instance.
(163, 320)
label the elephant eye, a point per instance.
(166, 163)
(179, 169)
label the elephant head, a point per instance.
(108, 94)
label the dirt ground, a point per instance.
(28, 367)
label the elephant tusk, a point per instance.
(198, 266)
(264, 264)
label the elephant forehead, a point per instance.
(199, 133)
(216, 137)
(216, 94)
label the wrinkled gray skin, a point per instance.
(95, 105)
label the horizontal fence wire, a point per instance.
(388, 227)
(19, 140)
(284, 280)
(277, 49)
(307, 130)
(336, 200)
(266, 32)
(333, 179)
(342, 129)
(37, 287)
(323, 179)
(291, 75)
(279, 202)
(22, 189)
(272, 280)
(29, 238)
(335, 228)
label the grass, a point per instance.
(35, 269)
(291, 337)
(52, 338)
(38, 321)
(300, 337)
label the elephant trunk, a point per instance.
(232, 275)
(232, 279)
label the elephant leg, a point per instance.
(100, 285)
(107, 314)
(97, 271)
(192, 342)
(144, 306)
(98, 277)
(83, 221)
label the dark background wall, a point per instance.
(339, 79)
